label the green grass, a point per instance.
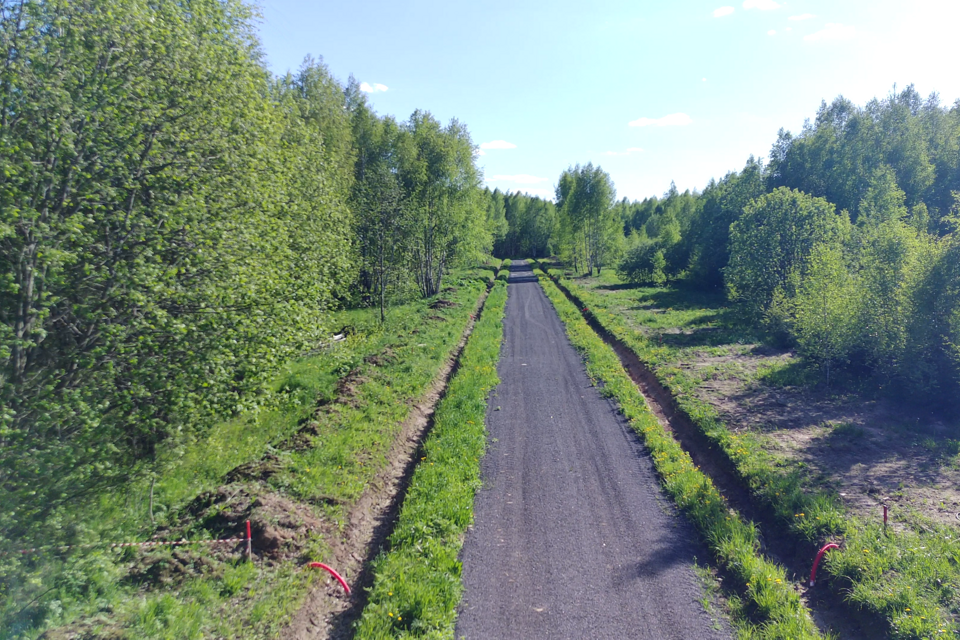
(910, 580)
(235, 600)
(770, 606)
(417, 584)
(504, 270)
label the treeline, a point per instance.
(582, 226)
(176, 223)
(843, 245)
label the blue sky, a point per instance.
(651, 91)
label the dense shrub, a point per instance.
(166, 239)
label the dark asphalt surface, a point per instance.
(572, 536)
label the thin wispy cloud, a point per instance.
(772, 32)
(624, 153)
(481, 152)
(672, 120)
(498, 144)
(802, 16)
(520, 178)
(722, 11)
(376, 87)
(763, 5)
(833, 31)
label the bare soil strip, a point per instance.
(828, 611)
(327, 612)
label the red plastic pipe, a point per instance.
(320, 565)
(249, 543)
(816, 563)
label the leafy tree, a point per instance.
(721, 204)
(883, 201)
(168, 238)
(496, 221)
(585, 198)
(771, 243)
(441, 186)
(887, 257)
(825, 310)
(929, 362)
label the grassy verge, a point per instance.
(417, 582)
(910, 578)
(295, 468)
(504, 270)
(770, 606)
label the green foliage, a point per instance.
(166, 247)
(770, 247)
(932, 332)
(417, 582)
(908, 141)
(532, 225)
(440, 183)
(591, 232)
(825, 310)
(720, 205)
(883, 201)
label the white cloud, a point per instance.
(722, 11)
(802, 16)
(498, 144)
(833, 31)
(481, 152)
(763, 5)
(522, 178)
(674, 119)
(376, 87)
(772, 32)
(624, 153)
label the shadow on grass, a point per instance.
(626, 286)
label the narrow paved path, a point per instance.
(572, 536)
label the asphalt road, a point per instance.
(572, 535)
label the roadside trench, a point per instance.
(327, 612)
(827, 608)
